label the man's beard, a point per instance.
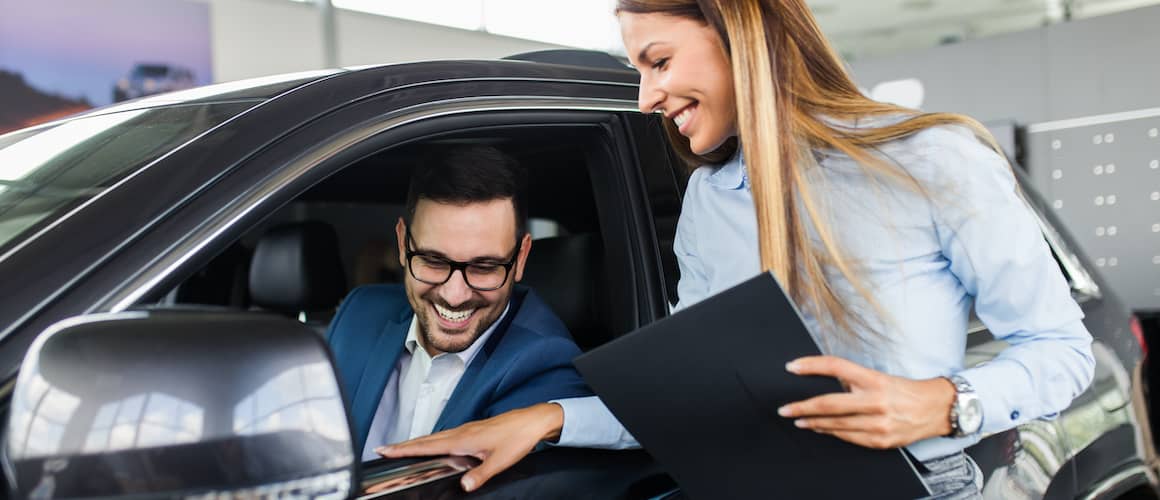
(461, 341)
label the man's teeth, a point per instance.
(450, 315)
(683, 117)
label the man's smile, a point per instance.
(452, 319)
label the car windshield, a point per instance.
(150, 71)
(46, 171)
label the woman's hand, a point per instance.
(879, 411)
(499, 442)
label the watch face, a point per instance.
(971, 416)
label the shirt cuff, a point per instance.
(995, 383)
(589, 424)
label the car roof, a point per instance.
(531, 66)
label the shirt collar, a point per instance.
(733, 175)
(466, 355)
(730, 175)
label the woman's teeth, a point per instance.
(450, 315)
(683, 117)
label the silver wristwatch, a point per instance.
(966, 411)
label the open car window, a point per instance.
(360, 204)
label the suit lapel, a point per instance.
(377, 372)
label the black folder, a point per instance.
(700, 391)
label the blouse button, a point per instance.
(1015, 415)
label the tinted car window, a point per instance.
(148, 71)
(46, 171)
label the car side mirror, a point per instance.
(179, 403)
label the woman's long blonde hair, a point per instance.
(788, 80)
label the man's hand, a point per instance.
(499, 442)
(880, 411)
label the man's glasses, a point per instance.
(480, 275)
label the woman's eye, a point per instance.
(661, 63)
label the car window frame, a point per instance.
(305, 169)
(657, 181)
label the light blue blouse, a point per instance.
(971, 240)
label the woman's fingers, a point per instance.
(850, 423)
(849, 372)
(880, 411)
(835, 404)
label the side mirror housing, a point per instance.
(179, 403)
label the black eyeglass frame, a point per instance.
(459, 266)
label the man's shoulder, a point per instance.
(535, 328)
(372, 303)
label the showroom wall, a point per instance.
(263, 37)
(1091, 66)
(1084, 98)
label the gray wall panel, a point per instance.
(1080, 72)
(1101, 182)
(995, 78)
(1103, 64)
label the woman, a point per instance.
(884, 224)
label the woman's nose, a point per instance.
(650, 97)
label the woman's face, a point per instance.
(684, 73)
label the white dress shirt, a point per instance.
(419, 389)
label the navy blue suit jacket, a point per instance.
(527, 359)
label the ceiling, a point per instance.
(859, 28)
(865, 28)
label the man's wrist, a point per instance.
(551, 421)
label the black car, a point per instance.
(183, 251)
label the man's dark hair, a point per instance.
(471, 174)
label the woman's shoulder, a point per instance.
(728, 176)
(952, 159)
(951, 153)
(946, 139)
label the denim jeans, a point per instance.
(953, 477)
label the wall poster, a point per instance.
(60, 57)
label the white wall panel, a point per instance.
(263, 37)
(370, 39)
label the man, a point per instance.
(459, 341)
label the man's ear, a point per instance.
(525, 247)
(401, 237)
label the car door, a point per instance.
(316, 151)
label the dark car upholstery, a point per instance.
(222, 282)
(567, 272)
(296, 268)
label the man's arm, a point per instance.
(502, 441)
(499, 442)
(587, 423)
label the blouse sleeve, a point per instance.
(996, 249)
(693, 286)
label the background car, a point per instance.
(152, 78)
(164, 205)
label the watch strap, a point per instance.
(961, 387)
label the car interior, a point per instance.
(304, 259)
